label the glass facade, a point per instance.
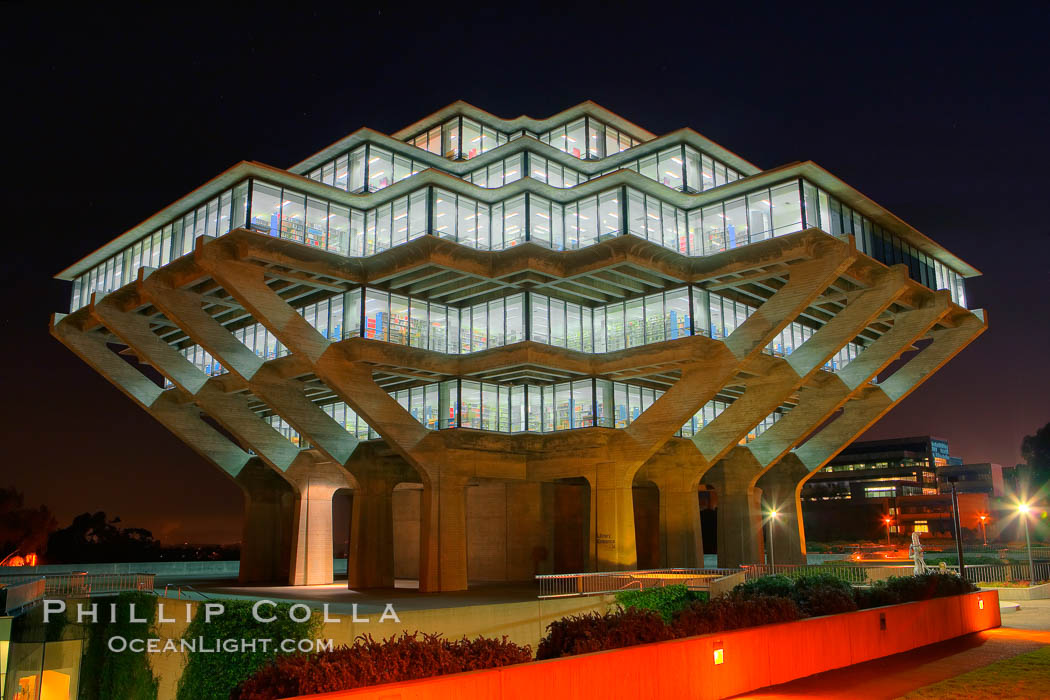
(682, 168)
(520, 408)
(458, 139)
(753, 216)
(827, 213)
(366, 168)
(588, 139)
(502, 172)
(395, 318)
(285, 213)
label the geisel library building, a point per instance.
(526, 345)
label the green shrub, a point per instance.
(733, 612)
(815, 594)
(775, 585)
(666, 600)
(216, 675)
(127, 674)
(906, 589)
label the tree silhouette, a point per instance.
(1036, 452)
(22, 530)
(93, 538)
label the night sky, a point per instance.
(941, 117)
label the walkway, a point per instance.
(1023, 630)
(340, 599)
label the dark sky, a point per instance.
(939, 114)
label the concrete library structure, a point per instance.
(523, 345)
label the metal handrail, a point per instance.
(81, 583)
(606, 582)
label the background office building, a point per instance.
(907, 480)
(522, 345)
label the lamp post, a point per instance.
(1023, 509)
(772, 562)
(888, 520)
(984, 528)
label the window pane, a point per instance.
(293, 216)
(635, 323)
(316, 222)
(376, 314)
(787, 213)
(266, 211)
(735, 223)
(445, 214)
(759, 216)
(515, 326)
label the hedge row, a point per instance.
(369, 662)
(659, 615)
(767, 600)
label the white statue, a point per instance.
(915, 552)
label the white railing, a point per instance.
(987, 573)
(598, 583)
(80, 583)
(852, 573)
(16, 596)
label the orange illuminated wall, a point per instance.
(713, 666)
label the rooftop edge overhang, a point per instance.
(808, 170)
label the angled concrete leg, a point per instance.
(269, 522)
(779, 485)
(739, 517)
(371, 562)
(443, 535)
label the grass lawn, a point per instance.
(1023, 676)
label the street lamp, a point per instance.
(888, 520)
(984, 528)
(1023, 509)
(772, 516)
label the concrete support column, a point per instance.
(312, 559)
(612, 504)
(371, 559)
(681, 543)
(269, 515)
(779, 486)
(443, 535)
(530, 531)
(739, 516)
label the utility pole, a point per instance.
(958, 528)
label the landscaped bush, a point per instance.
(815, 594)
(369, 662)
(732, 612)
(774, 585)
(580, 634)
(906, 589)
(626, 627)
(666, 600)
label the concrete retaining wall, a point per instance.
(1027, 593)
(693, 668)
